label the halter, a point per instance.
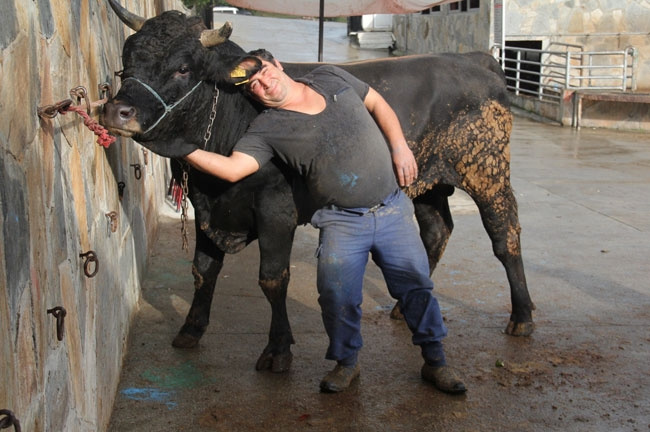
(168, 108)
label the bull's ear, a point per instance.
(210, 38)
(242, 69)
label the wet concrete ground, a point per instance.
(584, 206)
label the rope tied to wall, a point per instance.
(50, 111)
(103, 137)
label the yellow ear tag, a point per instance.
(239, 72)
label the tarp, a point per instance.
(335, 8)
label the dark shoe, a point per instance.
(445, 378)
(339, 378)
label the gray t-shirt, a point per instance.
(340, 151)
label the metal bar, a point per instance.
(567, 71)
(518, 73)
(624, 83)
(321, 18)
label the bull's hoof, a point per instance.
(184, 340)
(275, 363)
(520, 329)
(396, 313)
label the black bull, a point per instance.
(454, 112)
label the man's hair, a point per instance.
(262, 54)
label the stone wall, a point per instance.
(56, 187)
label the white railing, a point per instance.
(547, 74)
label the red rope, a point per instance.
(103, 138)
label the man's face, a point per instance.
(269, 85)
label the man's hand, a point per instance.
(404, 164)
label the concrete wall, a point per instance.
(56, 186)
(444, 31)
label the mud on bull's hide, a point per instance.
(478, 170)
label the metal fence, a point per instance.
(547, 74)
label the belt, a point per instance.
(357, 210)
(364, 210)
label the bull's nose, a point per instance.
(120, 118)
(125, 112)
(118, 113)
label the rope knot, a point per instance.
(103, 137)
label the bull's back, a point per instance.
(428, 92)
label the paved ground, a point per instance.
(584, 202)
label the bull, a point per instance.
(176, 89)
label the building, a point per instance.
(561, 56)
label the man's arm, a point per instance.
(230, 168)
(406, 168)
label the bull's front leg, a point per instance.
(275, 242)
(208, 261)
(277, 355)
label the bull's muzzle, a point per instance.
(120, 119)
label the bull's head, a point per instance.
(172, 65)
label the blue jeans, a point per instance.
(390, 234)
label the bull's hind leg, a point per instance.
(208, 261)
(501, 221)
(436, 224)
(275, 251)
(435, 221)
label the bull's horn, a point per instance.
(210, 38)
(130, 19)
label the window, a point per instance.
(428, 11)
(464, 5)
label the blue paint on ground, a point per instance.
(185, 375)
(150, 395)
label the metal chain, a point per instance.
(186, 169)
(213, 115)
(185, 189)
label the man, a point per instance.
(333, 129)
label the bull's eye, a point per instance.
(183, 70)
